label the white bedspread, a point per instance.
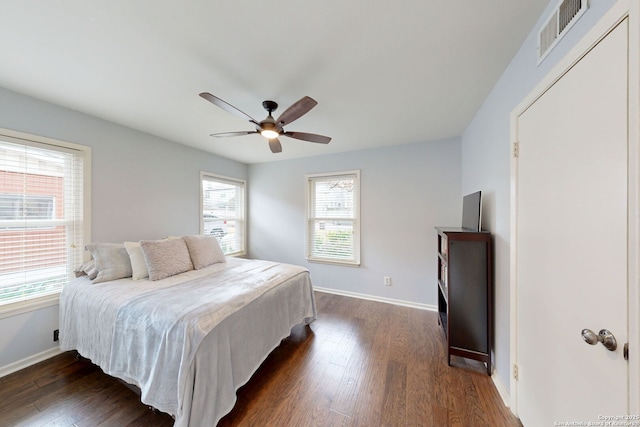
(149, 333)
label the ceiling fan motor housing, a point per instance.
(267, 124)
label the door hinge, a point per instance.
(516, 149)
(625, 351)
(515, 371)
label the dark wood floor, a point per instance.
(362, 363)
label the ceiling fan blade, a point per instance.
(297, 110)
(311, 137)
(227, 107)
(225, 134)
(275, 146)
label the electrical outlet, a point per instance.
(56, 333)
(387, 280)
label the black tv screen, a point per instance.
(472, 211)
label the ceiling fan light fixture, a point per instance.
(268, 128)
(269, 134)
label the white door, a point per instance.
(571, 251)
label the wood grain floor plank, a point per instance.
(13, 416)
(399, 343)
(350, 383)
(16, 395)
(394, 410)
(421, 358)
(124, 408)
(374, 360)
(336, 419)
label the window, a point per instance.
(333, 218)
(223, 212)
(41, 217)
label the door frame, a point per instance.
(619, 11)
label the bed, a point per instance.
(188, 341)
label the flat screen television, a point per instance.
(472, 211)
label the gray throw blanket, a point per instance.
(157, 327)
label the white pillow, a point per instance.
(112, 261)
(204, 250)
(138, 264)
(166, 258)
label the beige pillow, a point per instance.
(204, 250)
(112, 261)
(138, 264)
(166, 258)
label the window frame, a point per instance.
(38, 302)
(243, 219)
(310, 179)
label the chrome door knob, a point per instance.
(589, 337)
(604, 336)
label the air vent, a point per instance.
(561, 20)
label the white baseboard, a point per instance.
(428, 307)
(28, 361)
(502, 390)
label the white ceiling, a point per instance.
(383, 73)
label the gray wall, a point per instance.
(143, 187)
(405, 191)
(486, 158)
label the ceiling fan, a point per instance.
(272, 128)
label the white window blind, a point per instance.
(41, 218)
(223, 212)
(333, 223)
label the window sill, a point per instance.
(241, 254)
(21, 307)
(334, 262)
